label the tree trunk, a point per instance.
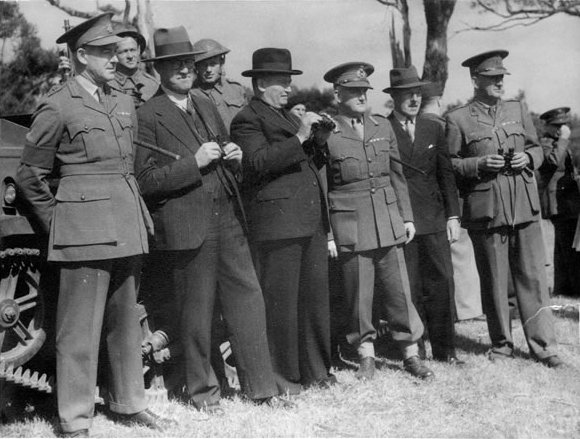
(401, 56)
(437, 15)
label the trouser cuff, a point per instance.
(366, 349)
(409, 349)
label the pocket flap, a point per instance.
(341, 205)
(476, 136)
(76, 196)
(234, 101)
(273, 194)
(513, 129)
(125, 122)
(75, 128)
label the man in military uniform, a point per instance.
(97, 225)
(435, 205)
(288, 223)
(211, 83)
(494, 152)
(129, 78)
(371, 219)
(560, 198)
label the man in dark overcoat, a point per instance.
(495, 150)
(435, 205)
(560, 198)
(97, 225)
(199, 221)
(371, 220)
(288, 222)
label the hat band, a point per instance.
(273, 66)
(175, 49)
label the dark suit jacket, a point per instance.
(282, 186)
(433, 196)
(173, 189)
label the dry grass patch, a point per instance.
(512, 399)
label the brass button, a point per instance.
(314, 183)
(369, 160)
(373, 190)
(83, 197)
(371, 174)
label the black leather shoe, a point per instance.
(415, 367)
(553, 362)
(276, 402)
(366, 370)
(84, 432)
(145, 418)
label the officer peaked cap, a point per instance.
(556, 116)
(96, 31)
(487, 63)
(350, 74)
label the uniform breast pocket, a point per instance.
(91, 136)
(234, 101)
(348, 166)
(479, 143)
(83, 218)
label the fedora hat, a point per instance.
(402, 78)
(270, 60)
(172, 42)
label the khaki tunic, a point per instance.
(141, 86)
(227, 95)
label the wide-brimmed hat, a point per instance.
(172, 42)
(126, 30)
(556, 116)
(350, 74)
(96, 31)
(209, 48)
(270, 60)
(487, 63)
(404, 77)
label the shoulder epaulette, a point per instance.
(458, 108)
(55, 88)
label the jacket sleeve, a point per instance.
(37, 162)
(445, 175)
(160, 177)
(398, 179)
(260, 155)
(465, 167)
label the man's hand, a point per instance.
(332, 250)
(409, 231)
(207, 153)
(491, 163)
(453, 230)
(519, 161)
(64, 63)
(306, 122)
(564, 132)
(232, 153)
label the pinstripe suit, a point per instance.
(199, 222)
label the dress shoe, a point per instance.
(451, 360)
(213, 409)
(553, 362)
(145, 418)
(83, 432)
(499, 356)
(276, 402)
(415, 367)
(366, 370)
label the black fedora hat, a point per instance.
(172, 42)
(402, 78)
(270, 60)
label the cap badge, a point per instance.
(361, 73)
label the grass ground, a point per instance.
(511, 399)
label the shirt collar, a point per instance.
(403, 119)
(178, 99)
(87, 84)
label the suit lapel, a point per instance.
(172, 118)
(263, 110)
(403, 139)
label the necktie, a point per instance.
(492, 111)
(358, 127)
(410, 128)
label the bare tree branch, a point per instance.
(71, 11)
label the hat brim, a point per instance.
(356, 84)
(494, 72)
(206, 55)
(260, 72)
(137, 36)
(173, 55)
(104, 41)
(403, 87)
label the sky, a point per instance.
(544, 58)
